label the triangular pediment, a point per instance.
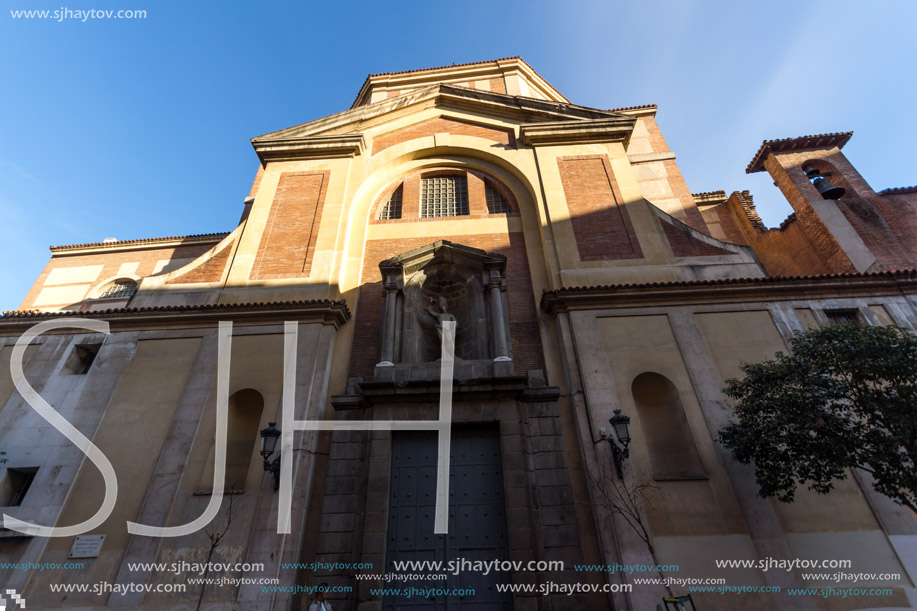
(343, 130)
(510, 75)
(442, 252)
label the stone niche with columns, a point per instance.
(437, 282)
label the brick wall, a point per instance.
(209, 271)
(256, 184)
(526, 340)
(288, 242)
(887, 228)
(720, 215)
(443, 125)
(648, 139)
(601, 225)
(821, 239)
(684, 245)
(786, 251)
(111, 261)
(497, 85)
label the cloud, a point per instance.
(19, 170)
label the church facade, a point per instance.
(582, 280)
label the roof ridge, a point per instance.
(896, 190)
(461, 65)
(496, 62)
(838, 139)
(197, 236)
(638, 107)
(175, 308)
(906, 272)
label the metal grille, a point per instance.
(496, 203)
(392, 208)
(443, 196)
(843, 317)
(119, 289)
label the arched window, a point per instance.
(391, 209)
(445, 195)
(669, 441)
(496, 203)
(122, 288)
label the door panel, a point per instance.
(477, 518)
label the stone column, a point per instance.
(388, 325)
(497, 323)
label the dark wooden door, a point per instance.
(477, 518)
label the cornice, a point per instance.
(651, 157)
(307, 147)
(767, 288)
(709, 197)
(616, 129)
(321, 310)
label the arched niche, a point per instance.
(243, 422)
(465, 283)
(668, 438)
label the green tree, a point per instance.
(844, 398)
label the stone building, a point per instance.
(583, 277)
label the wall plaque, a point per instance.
(86, 546)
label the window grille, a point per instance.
(443, 196)
(119, 289)
(496, 203)
(392, 208)
(843, 317)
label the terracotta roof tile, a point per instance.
(640, 107)
(199, 237)
(20, 314)
(898, 190)
(910, 274)
(480, 63)
(838, 139)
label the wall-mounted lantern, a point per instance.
(620, 424)
(269, 438)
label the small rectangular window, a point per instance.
(843, 317)
(443, 196)
(15, 485)
(81, 359)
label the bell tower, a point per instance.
(854, 228)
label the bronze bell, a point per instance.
(824, 186)
(827, 190)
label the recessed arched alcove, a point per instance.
(461, 293)
(243, 422)
(444, 280)
(668, 438)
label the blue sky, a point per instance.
(140, 128)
